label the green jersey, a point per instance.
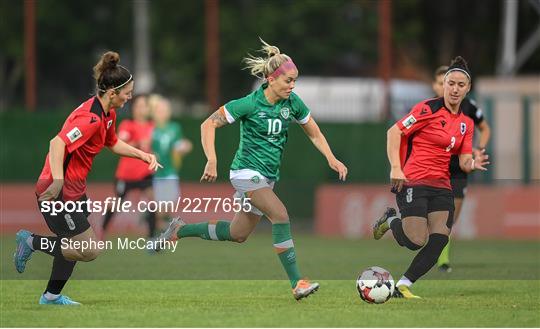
(263, 130)
(164, 141)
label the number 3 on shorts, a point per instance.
(409, 195)
(69, 221)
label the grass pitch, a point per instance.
(220, 284)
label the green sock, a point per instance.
(444, 257)
(284, 246)
(212, 230)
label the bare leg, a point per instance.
(85, 255)
(243, 225)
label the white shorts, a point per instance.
(247, 180)
(166, 188)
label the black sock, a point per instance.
(38, 243)
(61, 271)
(107, 220)
(400, 236)
(151, 219)
(427, 257)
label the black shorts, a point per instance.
(66, 224)
(122, 187)
(421, 200)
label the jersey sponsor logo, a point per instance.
(463, 128)
(285, 112)
(74, 134)
(443, 123)
(424, 111)
(93, 119)
(409, 121)
(261, 115)
(255, 179)
(109, 124)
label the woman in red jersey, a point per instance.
(429, 135)
(88, 129)
(458, 178)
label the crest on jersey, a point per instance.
(409, 121)
(109, 124)
(285, 112)
(255, 179)
(463, 128)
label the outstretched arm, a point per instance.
(208, 138)
(124, 149)
(317, 138)
(468, 164)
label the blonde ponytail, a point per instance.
(263, 67)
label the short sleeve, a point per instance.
(466, 146)
(238, 108)
(416, 119)
(475, 113)
(79, 128)
(111, 139)
(300, 111)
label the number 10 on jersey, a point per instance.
(274, 126)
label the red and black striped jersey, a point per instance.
(86, 131)
(431, 135)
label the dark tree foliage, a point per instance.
(324, 37)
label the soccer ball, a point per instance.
(375, 285)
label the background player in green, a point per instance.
(265, 116)
(169, 145)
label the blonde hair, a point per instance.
(153, 100)
(263, 67)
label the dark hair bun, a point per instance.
(108, 61)
(459, 62)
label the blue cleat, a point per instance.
(61, 300)
(23, 252)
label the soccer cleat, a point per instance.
(23, 252)
(157, 243)
(381, 226)
(404, 292)
(170, 234)
(61, 300)
(304, 288)
(445, 268)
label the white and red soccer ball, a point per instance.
(375, 285)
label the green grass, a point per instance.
(220, 284)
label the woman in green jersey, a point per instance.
(265, 116)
